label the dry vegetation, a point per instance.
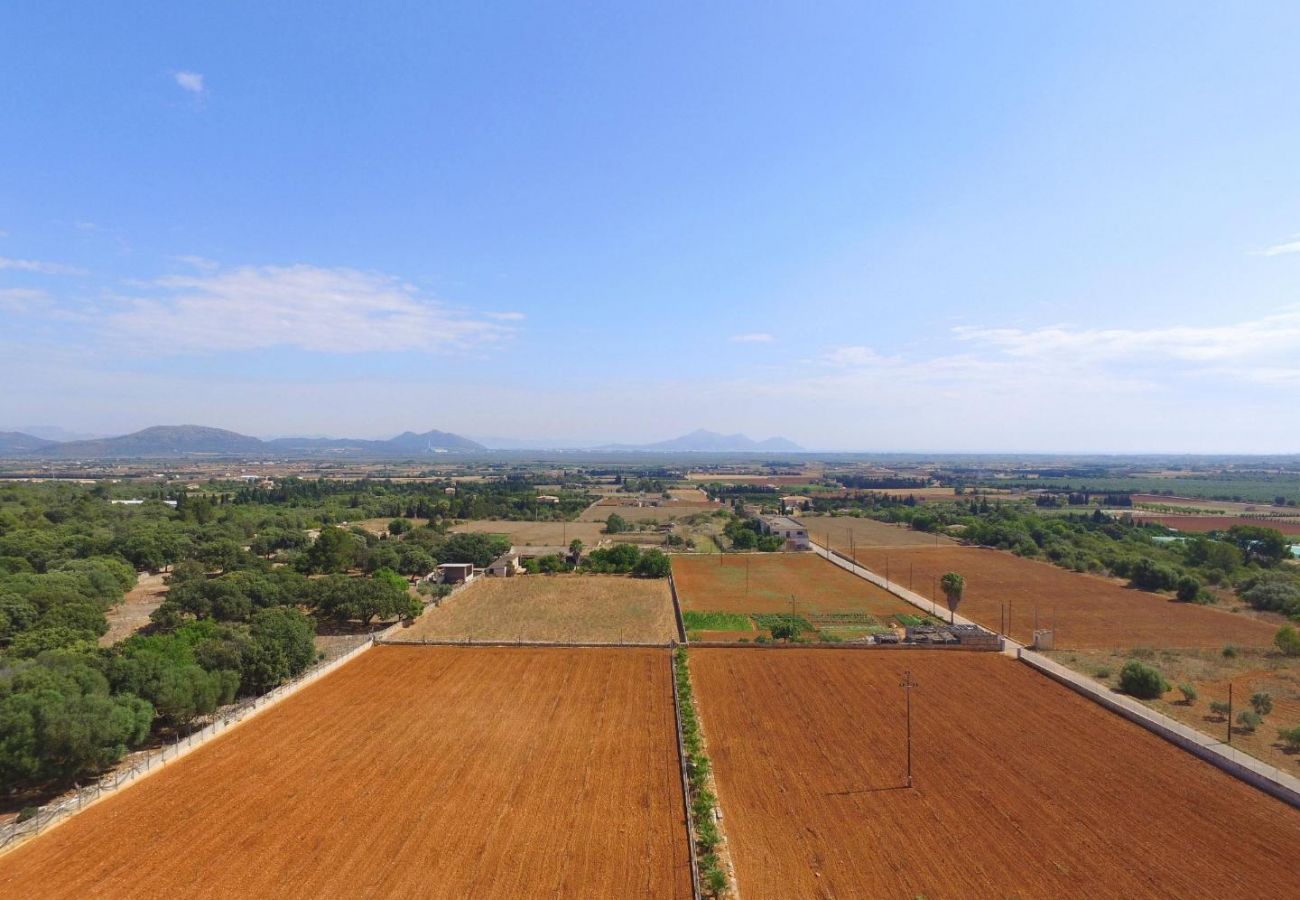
(132, 614)
(537, 534)
(843, 532)
(411, 772)
(582, 608)
(1023, 788)
(1209, 672)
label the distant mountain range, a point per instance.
(701, 441)
(180, 441)
(173, 441)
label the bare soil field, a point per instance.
(845, 531)
(1209, 672)
(1087, 611)
(411, 772)
(780, 480)
(536, 534)
(1218, 523)
(1222, 507)
(1022, 787)
(380, 526)
(582, 608)
(717, 583)
(132, 614)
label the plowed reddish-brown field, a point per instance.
(411, 772)
(1023, 788)
(720, 583)
(1087, 611)
(1201, 524)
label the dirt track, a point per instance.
(412, 772)
(1023, 788)
(1088, 612)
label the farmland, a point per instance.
(844, 532)
(536, 534)
(756, 583)
(1023, 788)
(1086, 611)
(581, 608)
(1201, 524)
(666, 511)
(430, 772)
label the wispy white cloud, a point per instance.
(755, 337)
(1291, 246)
(305, 307)
(507, 316)
(23, 300)
(190, 81)
(38, 266)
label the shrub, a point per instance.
(1290, 737)
(1142, 653)
(1142, 681)
(1229, 652)
(1249, 720)
(1189, 588)
(1262, 702)
(1288, 640)
(1103, 673)
(1189, 693)
(1220, 708)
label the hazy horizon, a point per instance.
(1002, 228)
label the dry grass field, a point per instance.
(1209, 673)
(1087, 611)
(132, 614)
(582, 608)
(717, 583)
(668, 511)
(1022, 787)
(411, 772)
(844, 532)
(537, 534)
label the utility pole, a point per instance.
(907, 686)
(1229, 712)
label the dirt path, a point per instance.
(132, 614)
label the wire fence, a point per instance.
(225, 718)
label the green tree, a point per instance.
(1141, 680)
(1288, 640)
(1188, 588)
(953, 585)
(616, 524)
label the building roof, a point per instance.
(783, 522)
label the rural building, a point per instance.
(793, 531)
(453, 573)
(796, 502)
(547, 498)
(505, 565)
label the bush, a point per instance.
(1262, 702)
(1189, 693)
(1103, 673)
(1142, 681)
(1290, 737)
(1220, 708)
(1249, 720)
(1229, 652)
(1188, 588)
(1288, 640)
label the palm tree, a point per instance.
(953, 585)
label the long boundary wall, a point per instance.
(1267, 778)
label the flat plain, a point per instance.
(409, 772)
(581, 608)
(765, 582)
(1022, 787)
(844, 532)
(1087, 611)
(536, 534)
(1202, 524)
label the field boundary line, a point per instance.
(677, 610)
(467, 642)
(18, 833)
(926, 605)
(1242, 766)
(686, 787)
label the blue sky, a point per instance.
(967, 226)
